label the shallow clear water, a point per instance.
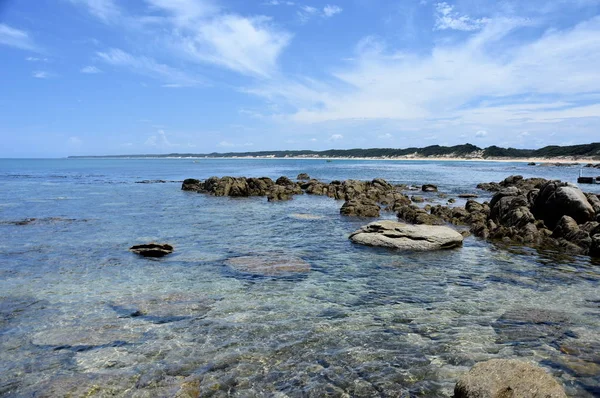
(81, 315)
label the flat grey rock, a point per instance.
(397, 235)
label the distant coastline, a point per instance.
(586, 153)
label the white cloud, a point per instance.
(40, 74)
(249, 46)
(331, 10)
(16, 38)
(305, 12)
(447, 18)
(161, 141)
(481, 134)
(36, 59)
(386, 136)
(336, 137)
(278, 3)
(105, 10)
(225, 144)
(90, 70)
(148, 67)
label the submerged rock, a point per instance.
(269, 265)
(507, 378)
(152, 249)
(407, 237)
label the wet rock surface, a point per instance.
(505, 378)
(152, 249)
(360, 207)
(396, 235)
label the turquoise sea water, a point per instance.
(82, 316)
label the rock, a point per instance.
(191, 184)
(303, 176)
(557, 199)
(414, 215)
(531, 164)
(451, 200)
(259, 186)
(314, 187)
(360, 207)
(595, 246)
(227, 186)
(506, 378)
(284, 181)
(531, 327)
(429, 188)
(594, 200)
(568, 229)
(281, 193)
(269, 265)
(417, 199)
(396, 235)
(513, 181)
(468, 196)
(152, 249)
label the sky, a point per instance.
(96, 77)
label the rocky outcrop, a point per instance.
(303, 176)
(401, 236)
(152, 249)
(282, 193)
(360, 207)
(429, 188)
(516, 181)
(505, 378)
(556, 199)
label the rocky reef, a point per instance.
(534, 212)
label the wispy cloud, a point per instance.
(41, 74)
(475, 84)
(447, 18)
(105, 10)
(17, 38)
(331, 10)
(148, 67)
(278, 3)
(306, 12)
(200, 31)
(36, 59)
(90, 70)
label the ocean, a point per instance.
(82, 316)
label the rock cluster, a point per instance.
(504, 378)
(362, 198)
(532, 211)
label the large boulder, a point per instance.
(507, 378)
(568, 229)
(407, 237)
(415, 215)
(557, 199)
(360, 207)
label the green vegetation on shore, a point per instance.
(591, 151)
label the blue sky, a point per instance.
(160, 76)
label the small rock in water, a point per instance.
(269, 265)
(152, 249)
(506, 378)
(429, 188)
(468, 196)
(407, 237)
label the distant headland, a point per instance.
(574, 153)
